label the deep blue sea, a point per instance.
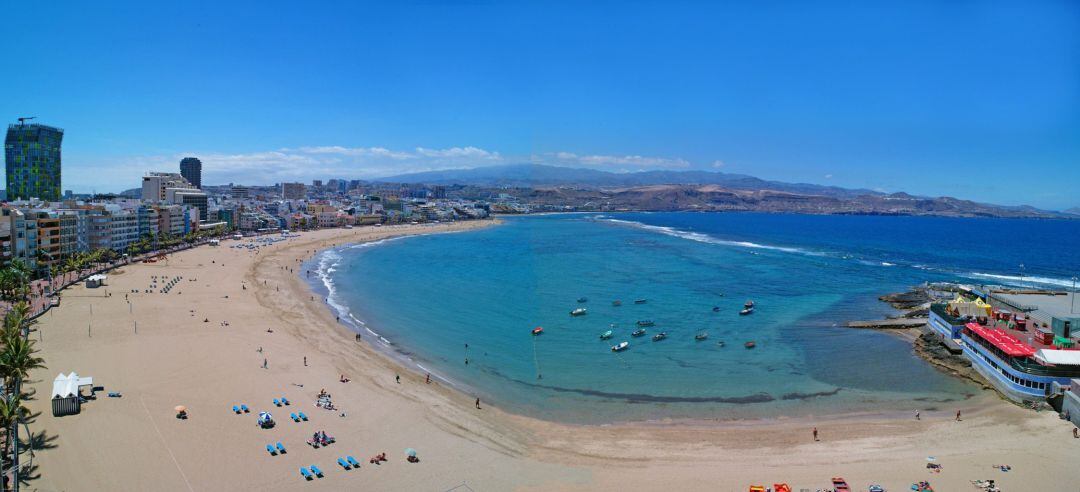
(424, 298)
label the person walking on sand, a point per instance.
(478, 404)
(305, 361)
(958, 415)
(428, 380)
(917, 415)
(815, 434)
(397, 378)
(265, 362)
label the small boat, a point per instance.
(701, 336)
(716, 309)
(645, 322)
(620, 346)
(638, 332)
(583, 299)
(746, 311)
(639, 301)
(607, 334)
(538, 330)
(659, 336)
(748, 305)
(616, 303)
(578, 312)
(750, 345)
(720, 343)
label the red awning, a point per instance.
(1004, 341)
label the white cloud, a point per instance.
(828, 176)
(84, 174)
(717, 164)
(273, 166)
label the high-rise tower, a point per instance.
(32, 161)
(191, 170)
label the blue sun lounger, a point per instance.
(294, 417)
(302, 416)
(277, 403)
(353, 462)
(316, 471)
(344, 464)
(280, 448)
(244, 408)
(305, 473)
(270, 449)
(236, 409)
(284, 401)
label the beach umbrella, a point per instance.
(410, 452)
(180, 408)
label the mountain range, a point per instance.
(546, 176)
(591, 189)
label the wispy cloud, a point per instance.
(323, 162)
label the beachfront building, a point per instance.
(22, 236)
(32, 161)
(1022, 343)
(49, 242)
(113, 228)
(174, 189)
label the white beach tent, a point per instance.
(95, 281)
(65, 393)
(1058, 357)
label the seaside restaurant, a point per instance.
(67, 395)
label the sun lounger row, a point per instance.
(275, 450)
(281, 401)
(297, 417)
(240, 409)
(348, 462)
(311, 472)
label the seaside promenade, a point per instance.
(234, 311)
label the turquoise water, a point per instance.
(424, 298)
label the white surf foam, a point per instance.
(705, 238)
(1021, 281)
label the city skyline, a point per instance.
(821, 94)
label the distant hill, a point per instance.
(590, 189)
(540, 176)
(1072, 211)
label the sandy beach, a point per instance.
(162, 350)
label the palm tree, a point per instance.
(17, 360)
(12, 411)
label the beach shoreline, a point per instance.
(258, 300)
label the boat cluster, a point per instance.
(748, 308)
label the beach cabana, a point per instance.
(66, 399)
(965, 307)
(95, 281)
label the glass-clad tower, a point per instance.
(32, 159)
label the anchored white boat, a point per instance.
(620, 346)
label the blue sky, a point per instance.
(978, 100)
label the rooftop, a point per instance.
(1061, 305)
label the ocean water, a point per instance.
(437, 300)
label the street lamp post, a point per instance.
(1021, 275)
(1072, 305)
